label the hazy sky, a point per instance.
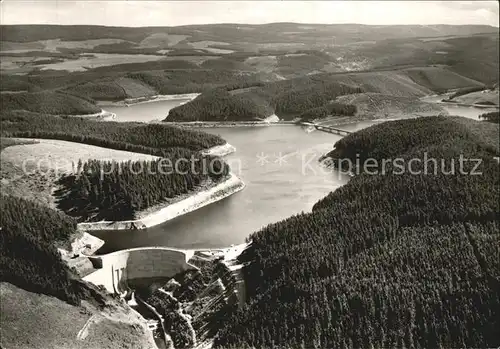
(172, 13)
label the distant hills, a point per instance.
(255, 62)
(284, 32)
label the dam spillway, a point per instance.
(114, 270)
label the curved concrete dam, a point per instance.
(114, 270)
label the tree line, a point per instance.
(218, 105)
(154, 139)
(46, 102)
(117, 191)
(287, 99)
(493, 116)
(330, 109)
(29, 258)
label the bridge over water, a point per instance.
(329, 129)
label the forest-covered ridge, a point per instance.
(316, 94)
(154, 139)
(47, 102)
(29, 258)
(113, 191)
(383, 260)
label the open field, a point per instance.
(486, 97)
(379, 106)
(439, 79)
(30, 170)
(60, 155)
(29, 320)
(134, 88)
(53, 45)
(206, 45)
(95, 60)
(469, 51)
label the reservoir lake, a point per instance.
(279, 165)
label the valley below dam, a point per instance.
(279, 166)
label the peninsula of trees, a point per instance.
(287, 99)
(154, 139)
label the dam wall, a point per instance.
(114, 270)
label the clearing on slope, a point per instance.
(28, 171)
(439, 79)
(485, 97)
(31, 321)
(377, 106)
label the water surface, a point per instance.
(279, 165)
(145, 112)
(459, 110)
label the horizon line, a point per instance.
(249, 24)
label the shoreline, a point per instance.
(480, 106)
(216, 124)
(219, 150)
(228, 187)
(148, 99)
(103, 115)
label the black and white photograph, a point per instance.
(249, 174)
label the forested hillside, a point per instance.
(117, 191)
(151, 139)
(388, 260)
(29, 258)
(329, 109)
(493, 116)
(47, 103)
(287, 99)
(218, 105)
(312, 95)
(112, 191)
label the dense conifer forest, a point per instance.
(154, 139)
(107, 190)
(47, 103)
(218, 105)
(177, 82)
(330, 109)
(28, 255)
(493, 116)
(116, 191)
(287, 99)
(388, 260)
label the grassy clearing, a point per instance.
(162, 40)
(378, 106)
(30, 168)
(30, 320)
(440, 79)
(134, 88)
(480, 97)
(99, 60)
(393, 83)
(265, 64)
